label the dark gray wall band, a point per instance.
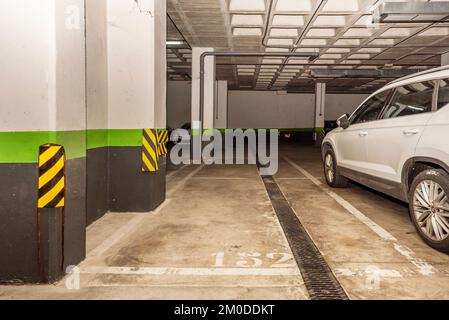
(97, 184)
(18, 220)
(130, 189)
(18, 213)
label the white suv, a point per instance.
(397, 142)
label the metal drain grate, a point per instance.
(318, 277)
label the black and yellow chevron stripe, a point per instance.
(150, 155)
(51, 176)
(162, 139)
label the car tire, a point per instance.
(426, 209)
(331, 172)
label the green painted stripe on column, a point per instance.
(23, 147)
(99, 138)
(96, 138)
(74, 143)
(125, 137)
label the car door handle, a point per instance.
(411, 132)
(363, 134)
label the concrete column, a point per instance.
(136, 98)
(445, 59)
(97, 109)
(209, 88)
(221, 118)
(42, 85)
(320, 103)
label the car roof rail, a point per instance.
(422, 73)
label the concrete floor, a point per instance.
(217, 237)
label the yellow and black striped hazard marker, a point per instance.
(162, 139)
(150, 155)
(51, 176)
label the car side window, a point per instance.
(371, 109)
(410, 100)
(443, 94)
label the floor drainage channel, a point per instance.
(318, 277)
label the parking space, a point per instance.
(217, 235)
(367, 238)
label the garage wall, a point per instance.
(178, 103)
(339, 104)
(259, 109)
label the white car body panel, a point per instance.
(352, 151)
(389, 146)
(381, 148)
(434, 142)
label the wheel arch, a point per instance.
(327, 145)
(416, 165)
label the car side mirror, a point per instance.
(343, 121)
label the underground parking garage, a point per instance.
(224, 150)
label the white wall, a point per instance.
(160, 64)
(24, 64)
(178, 103)
(97, 64)
(264, 109)
(42, 65)
(339, 104)
(261, 109)
(70, 66)
(136, 86)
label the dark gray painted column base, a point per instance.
(130, 189)
(75, 213)
(18, 222)
(115, 182)
(97, 184)
(50, 244)
(18, 217)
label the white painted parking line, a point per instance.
(178, 185)
(286, 179)
(381, 232)
(191, 271)
(207, 286)
(220, 178)
(423, 267)
(175, 172)
(370, 270)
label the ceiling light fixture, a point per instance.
(411, 12)
(175, 43)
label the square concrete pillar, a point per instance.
(209, 88)
(320, 108)
(136, 100)
(221, 111)
(43, 101)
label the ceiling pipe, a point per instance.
(411, 12)
(179, 31)
(355, 73)
(309, 55)
(301, 36)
